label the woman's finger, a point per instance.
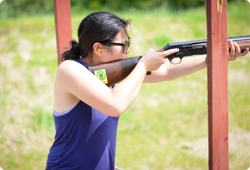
(169, 52)
(245, 52)
(237, 48)
(232, 53)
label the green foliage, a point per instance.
(18, 61)
(117, 5)
(183, 4)
(17, 8)
(14, 8)
(161, 40)
(4, 91)
(43, 120)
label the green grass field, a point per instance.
(166, 128)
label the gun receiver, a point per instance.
(113, 72)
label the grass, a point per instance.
(161, 129)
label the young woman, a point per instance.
(86, 111)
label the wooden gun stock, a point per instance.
(113, 72)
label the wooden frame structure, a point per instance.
(216, 11)
(217, 83)
(62, 12)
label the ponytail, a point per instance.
(74, 53)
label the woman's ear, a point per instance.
(97, 49)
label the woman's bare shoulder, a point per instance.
(69, 63)
(70, 73)
(71, 67)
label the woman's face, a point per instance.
(116, 52)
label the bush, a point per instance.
(16, 8)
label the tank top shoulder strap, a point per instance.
(81, 62)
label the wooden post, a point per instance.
(63, 25)
(217, 84)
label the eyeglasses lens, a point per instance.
(126, 45)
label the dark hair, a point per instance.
(99, 27)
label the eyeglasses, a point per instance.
(125, 45)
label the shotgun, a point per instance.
(115, 71)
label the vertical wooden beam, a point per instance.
(63, 25)
(217, 84)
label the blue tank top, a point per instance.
(85, 139)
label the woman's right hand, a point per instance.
(153, 60)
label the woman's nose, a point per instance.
(128, 51)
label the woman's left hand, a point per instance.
(235, 51)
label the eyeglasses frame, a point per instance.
(125, 49)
